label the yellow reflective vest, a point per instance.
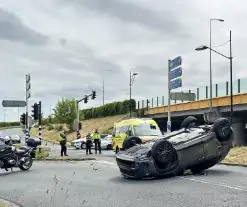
(96, 136)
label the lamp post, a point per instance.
(204, 47)
(210, 61)
(132, 78)
(103, 86)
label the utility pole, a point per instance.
(231, 90)
(103, 85)
(169, 100)
(132, 78)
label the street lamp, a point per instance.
(103, 86)
(132, 78)
(210, 60)
(204, 47)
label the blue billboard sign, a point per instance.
(175, 62)
(176, 83)
(175, 73)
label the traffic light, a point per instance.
(80, 125)
(85, 99)
(35, 111)
(23, 119)
(93, 94)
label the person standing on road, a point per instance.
(63, 142)
(97, 141)
(88, 144)
(78, 134)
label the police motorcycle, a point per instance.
(11, 158)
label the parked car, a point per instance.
(79, 143)
(194, 147)
(16, 139)
(106, 140)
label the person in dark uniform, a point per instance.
(97, 141)
(63, 143)
(88, 144)
(78, 134)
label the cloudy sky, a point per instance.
(67, 46)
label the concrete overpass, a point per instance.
(200, 109)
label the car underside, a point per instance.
(193, 147)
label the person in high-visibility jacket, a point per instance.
(97, 141)
(63, 140)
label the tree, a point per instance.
(65, 111)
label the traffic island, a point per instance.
(66, 158)
(6, 203)
(236, 157)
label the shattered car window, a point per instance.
(147, 130)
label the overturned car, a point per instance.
(195, 147)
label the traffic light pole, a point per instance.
(40, 121)
(93, 95)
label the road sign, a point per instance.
(13, 103)
(175, 62)
(176, 83)
(181, 96)
(175, 73)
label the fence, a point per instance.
(202, 93)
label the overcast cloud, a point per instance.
(67, 46)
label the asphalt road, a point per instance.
(99, 183)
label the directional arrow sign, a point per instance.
(175, 62)
(13, 103)
(181, 96)
(175, 73)
(176, 83)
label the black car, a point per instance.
(194, 147)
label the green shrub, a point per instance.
(9, 124)
(110, 109)
(41, 155)
(50, 127)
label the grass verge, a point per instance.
(104, 125)
(237, 155)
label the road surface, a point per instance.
(99, 184)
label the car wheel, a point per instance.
(189, 122)
(83, 146)
(222, 129)
(131, 141)
(164, 154)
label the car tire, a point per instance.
(109, 147)
(164, 154)
(131, 141)
(189, 121)
(222, 129)
(83, 145)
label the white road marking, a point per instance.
(105, 162)
(224, 185)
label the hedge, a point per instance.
(110, 109)
(9, 124)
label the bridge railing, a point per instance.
(202, 93)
